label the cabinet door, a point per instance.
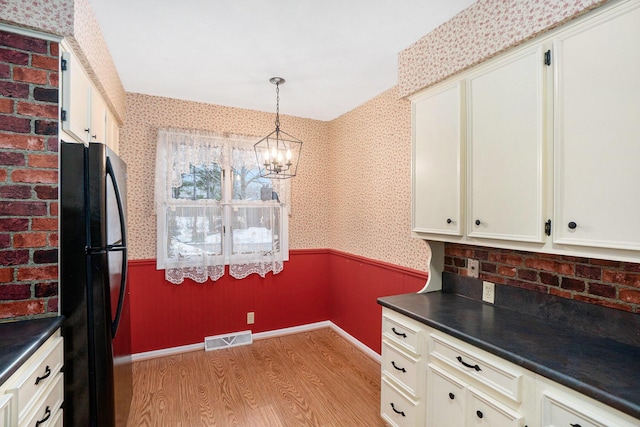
(76, 95)
(98, 118)
(596, 132)
(445, 399)
(113, 130)
(485, 411)
(5, 401)
(506, 111)
(437, 148)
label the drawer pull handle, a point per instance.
(396, 411)
(47, 372)
(47, 415)
(476, 367)
(479, 414)
(452, 396)
(575, 425)
(399, 369)
(402, 334)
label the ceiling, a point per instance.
(333, 54)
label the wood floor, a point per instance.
(314, 378)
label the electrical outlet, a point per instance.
(488, 292)
(473, 267)
(250, 318)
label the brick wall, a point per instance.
(612, 284)
(28, 177)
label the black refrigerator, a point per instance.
(93, 290)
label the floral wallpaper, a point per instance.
(479, 32)
(50, 16)
(310, 196)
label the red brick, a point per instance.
(6, 105)
(507, 271)
(460, 262)
(46, 127)
(21, 308)
(560, 293)
(46, 256)
(5, 71)
(488, 267)
(526, 285)
(573, 284)
(495, 279)
(22, 142)
(54, 79)
(5, 241)
(14, 90)
(46, 62)
(15, 292)
(629, 266)
(45, 94)
(574, 259)
(52, 305)
(43, 161)
(481, 254)
(44, 224)
(46, 192)
(604, 303)
(8, 158)
(35, 176)
(3, 175)
(49, 289)
(588, 272)
(603, 290)
(459, 251)
(15, 191)
(621, 277)
(14, 224)
(38, 273)
(52, 144)
(30, 240)
(550, 265)
(53, 240)
(505, 258)
(15, 124)
(53, 49)
(30, 75)
(451, 269)
(604, 262)
(529, 275)
(14, 57)
(14, 257)
(23, 208)
(38, 110)
(6, 275)
(630, 295)
(53, 209)
(19, 41)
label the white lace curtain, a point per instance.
(191, 239)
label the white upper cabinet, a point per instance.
(506, 111)
(597, 128)
(437, 165)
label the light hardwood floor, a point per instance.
(314, 378)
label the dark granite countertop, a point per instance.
(19, 340)
(592, 363)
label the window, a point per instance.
(214, 209)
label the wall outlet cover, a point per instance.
(488, 292)
(473, 267)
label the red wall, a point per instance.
(315, 285)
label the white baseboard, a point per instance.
(261, 335)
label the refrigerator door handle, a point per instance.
(120, 247)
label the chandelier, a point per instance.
(278, 153)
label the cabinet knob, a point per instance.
(479, 414)
(572, 225)
(87, 130)
(452, 396)
(575, 425)
(449, 221)
(478, 222)
(94, 136)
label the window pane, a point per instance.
(255, 230)
(194, 231)
(202, 182)
(247, 182)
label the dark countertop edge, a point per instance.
(622, 405)
(32, 343)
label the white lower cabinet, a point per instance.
(33, 395)
(432, 379)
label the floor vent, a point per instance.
(227, 340)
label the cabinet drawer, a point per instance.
(490, 372)
(56, 421)
(47, 410)
(5, 399)
(485, 411)
(558, 411)
(398, 409)
(401, 367)
(402, 333)
(42, 371)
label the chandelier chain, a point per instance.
(277, 106)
